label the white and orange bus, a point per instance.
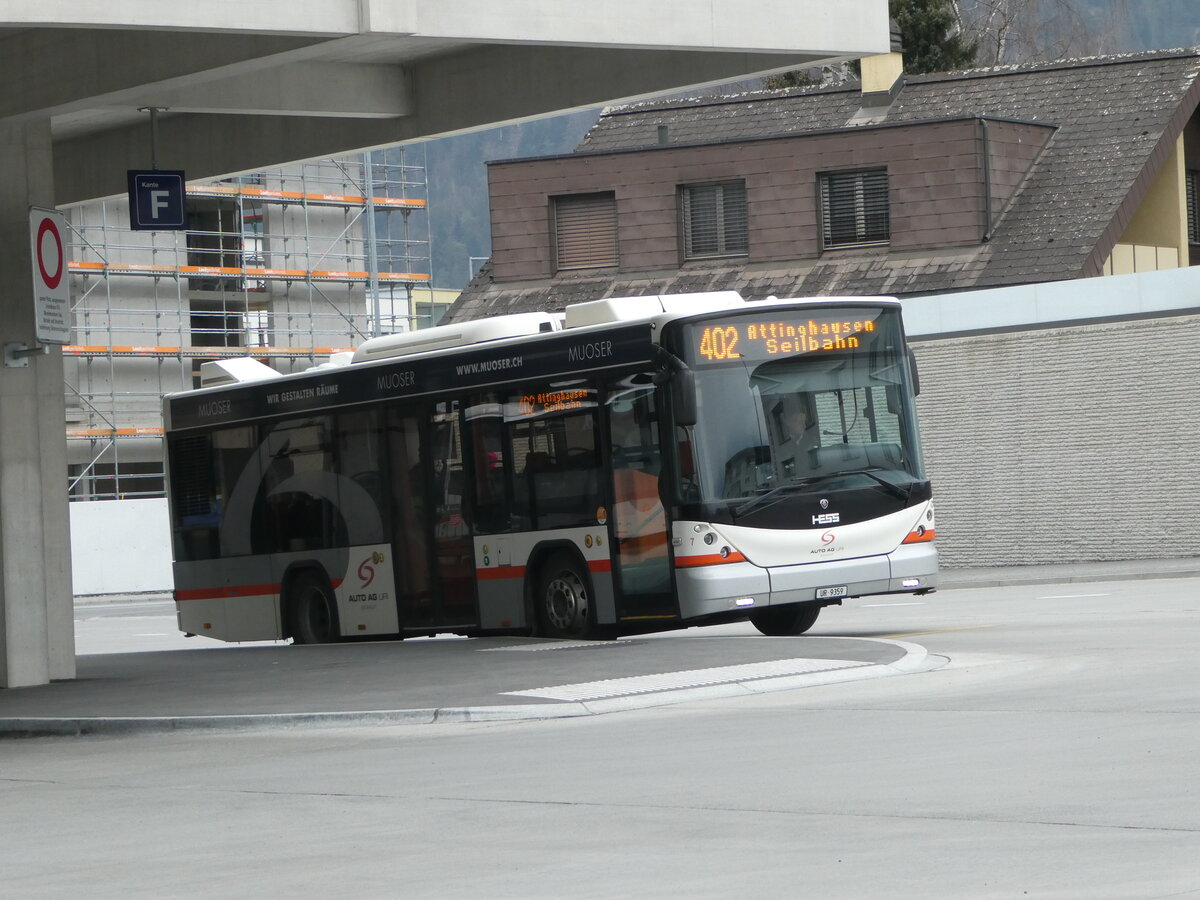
(628, 465)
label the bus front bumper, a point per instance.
(733, 587)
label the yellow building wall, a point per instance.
(1161, 220)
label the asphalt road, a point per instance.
(1054, 756)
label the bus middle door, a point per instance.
(435, 568)
(453, 549)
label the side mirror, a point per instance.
(683, 397)
(916, 376)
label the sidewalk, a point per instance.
(432, 680)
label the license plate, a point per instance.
(831, 593)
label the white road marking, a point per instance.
(558, 645)
(673, 681)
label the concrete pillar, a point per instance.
(37, 638)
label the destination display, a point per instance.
(552, 401)
(783, 334)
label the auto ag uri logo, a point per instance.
(828, 538)
(366, 571)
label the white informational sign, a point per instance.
(51, 286)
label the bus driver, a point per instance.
(798, 432)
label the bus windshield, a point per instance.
(794, 399)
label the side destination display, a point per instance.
(564, 354)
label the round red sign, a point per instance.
(51, 280)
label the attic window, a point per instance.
(714, 219)
(854, 208)
(585, 231)
(1193, 206)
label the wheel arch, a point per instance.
(287, 583)
(541, 553)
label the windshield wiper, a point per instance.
(774, 495)
(893, 488)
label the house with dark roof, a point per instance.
(903, 185)
(1039, 222)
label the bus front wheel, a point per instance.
(312, 610)
(784, 621)
(564, 603)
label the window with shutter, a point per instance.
(714, 220)
(854, 208)
(585, 231)
(1193, 206)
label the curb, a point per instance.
(1011, 578)
(916, 659)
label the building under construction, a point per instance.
(286, 266)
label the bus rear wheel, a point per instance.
(784, 621)
(312, 610)
(564, 602)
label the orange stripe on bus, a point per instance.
(241, 590)
(500, 572)
(711, 559)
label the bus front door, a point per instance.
(640, 540)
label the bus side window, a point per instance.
(570, 494)
(527, 459)
(555, 459)
(295, 509)
(360, 482)
(195, 501)
(490, 465)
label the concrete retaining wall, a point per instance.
(1064, 444)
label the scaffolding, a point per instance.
(288, 265)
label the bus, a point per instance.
(625, 466)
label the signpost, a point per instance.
(51, 286)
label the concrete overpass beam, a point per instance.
(764, 26)
(333, 90)
(37, 641)
(45, 67)
(481, 88)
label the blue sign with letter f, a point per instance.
(157, 201)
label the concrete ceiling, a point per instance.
(246, 84)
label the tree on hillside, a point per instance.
(932, 36)
(941, 35)
(1017, 31)
(930, 32)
